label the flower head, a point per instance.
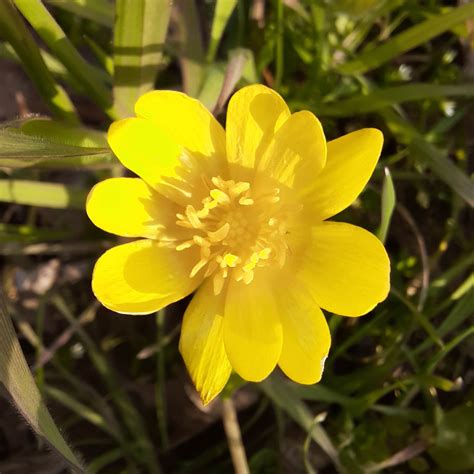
(239, 216)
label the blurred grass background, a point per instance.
(397, 393)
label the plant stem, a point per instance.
(234, 437)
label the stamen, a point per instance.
(235, 230)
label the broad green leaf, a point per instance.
(15, 31)
(408, 39)
(222, 13)
(37, 193)
(139, 35)
(92, 80)
(16, 377)
(99, 11)
(381, 98)
(52, 145)
(453, 449)
(389, 200)
(285, 397)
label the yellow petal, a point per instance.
(146, 150)
(253, 115)
(252, 328)
(188, 123)
(130, 208)
(346, 268)
(351, 160)
(202, 344)
(297, 153)
(141, 277)
(306, 336)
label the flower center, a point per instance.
(237, 231)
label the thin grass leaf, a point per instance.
(445, 169)
(382, 98)
(100, 462)
(192, 56)
(420, 317)
(389, 200)
(36, 193)
(409, 39)
(131, 417)
(57, 70)
(83, 411)
(139, 34)
(284, 397)
(17, 34)
(99, 11)
(92, 80)
(16, 377)
(442, 353)
(222, 14)
(239, 59)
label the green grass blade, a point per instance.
(389, 200)
(19, 149)
(140, 31)
(445, 169)
(409, 39)
(192, 56)
(382, 98)
(18, 381)
(17, 34)
(92, 80)
(286, 398)
(222, 13)
(99, 11)
(35, 193)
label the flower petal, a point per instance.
(346, 268)
(252, 328)
(202, 344)
(306, 336)
(185, 120)
(253, 114)
(297, 153)
(351, 160)
(146, 150)
(130, 208)
(141, 277)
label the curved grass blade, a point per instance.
(382, 98)
(18, 381)
(222, 14)
(92, 79)
(409, 39)
(286, 398)
(389, 199)
(17, 34)
(99, 11)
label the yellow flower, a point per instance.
(239, 216)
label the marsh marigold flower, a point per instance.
(240, 217)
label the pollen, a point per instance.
(237, 231)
